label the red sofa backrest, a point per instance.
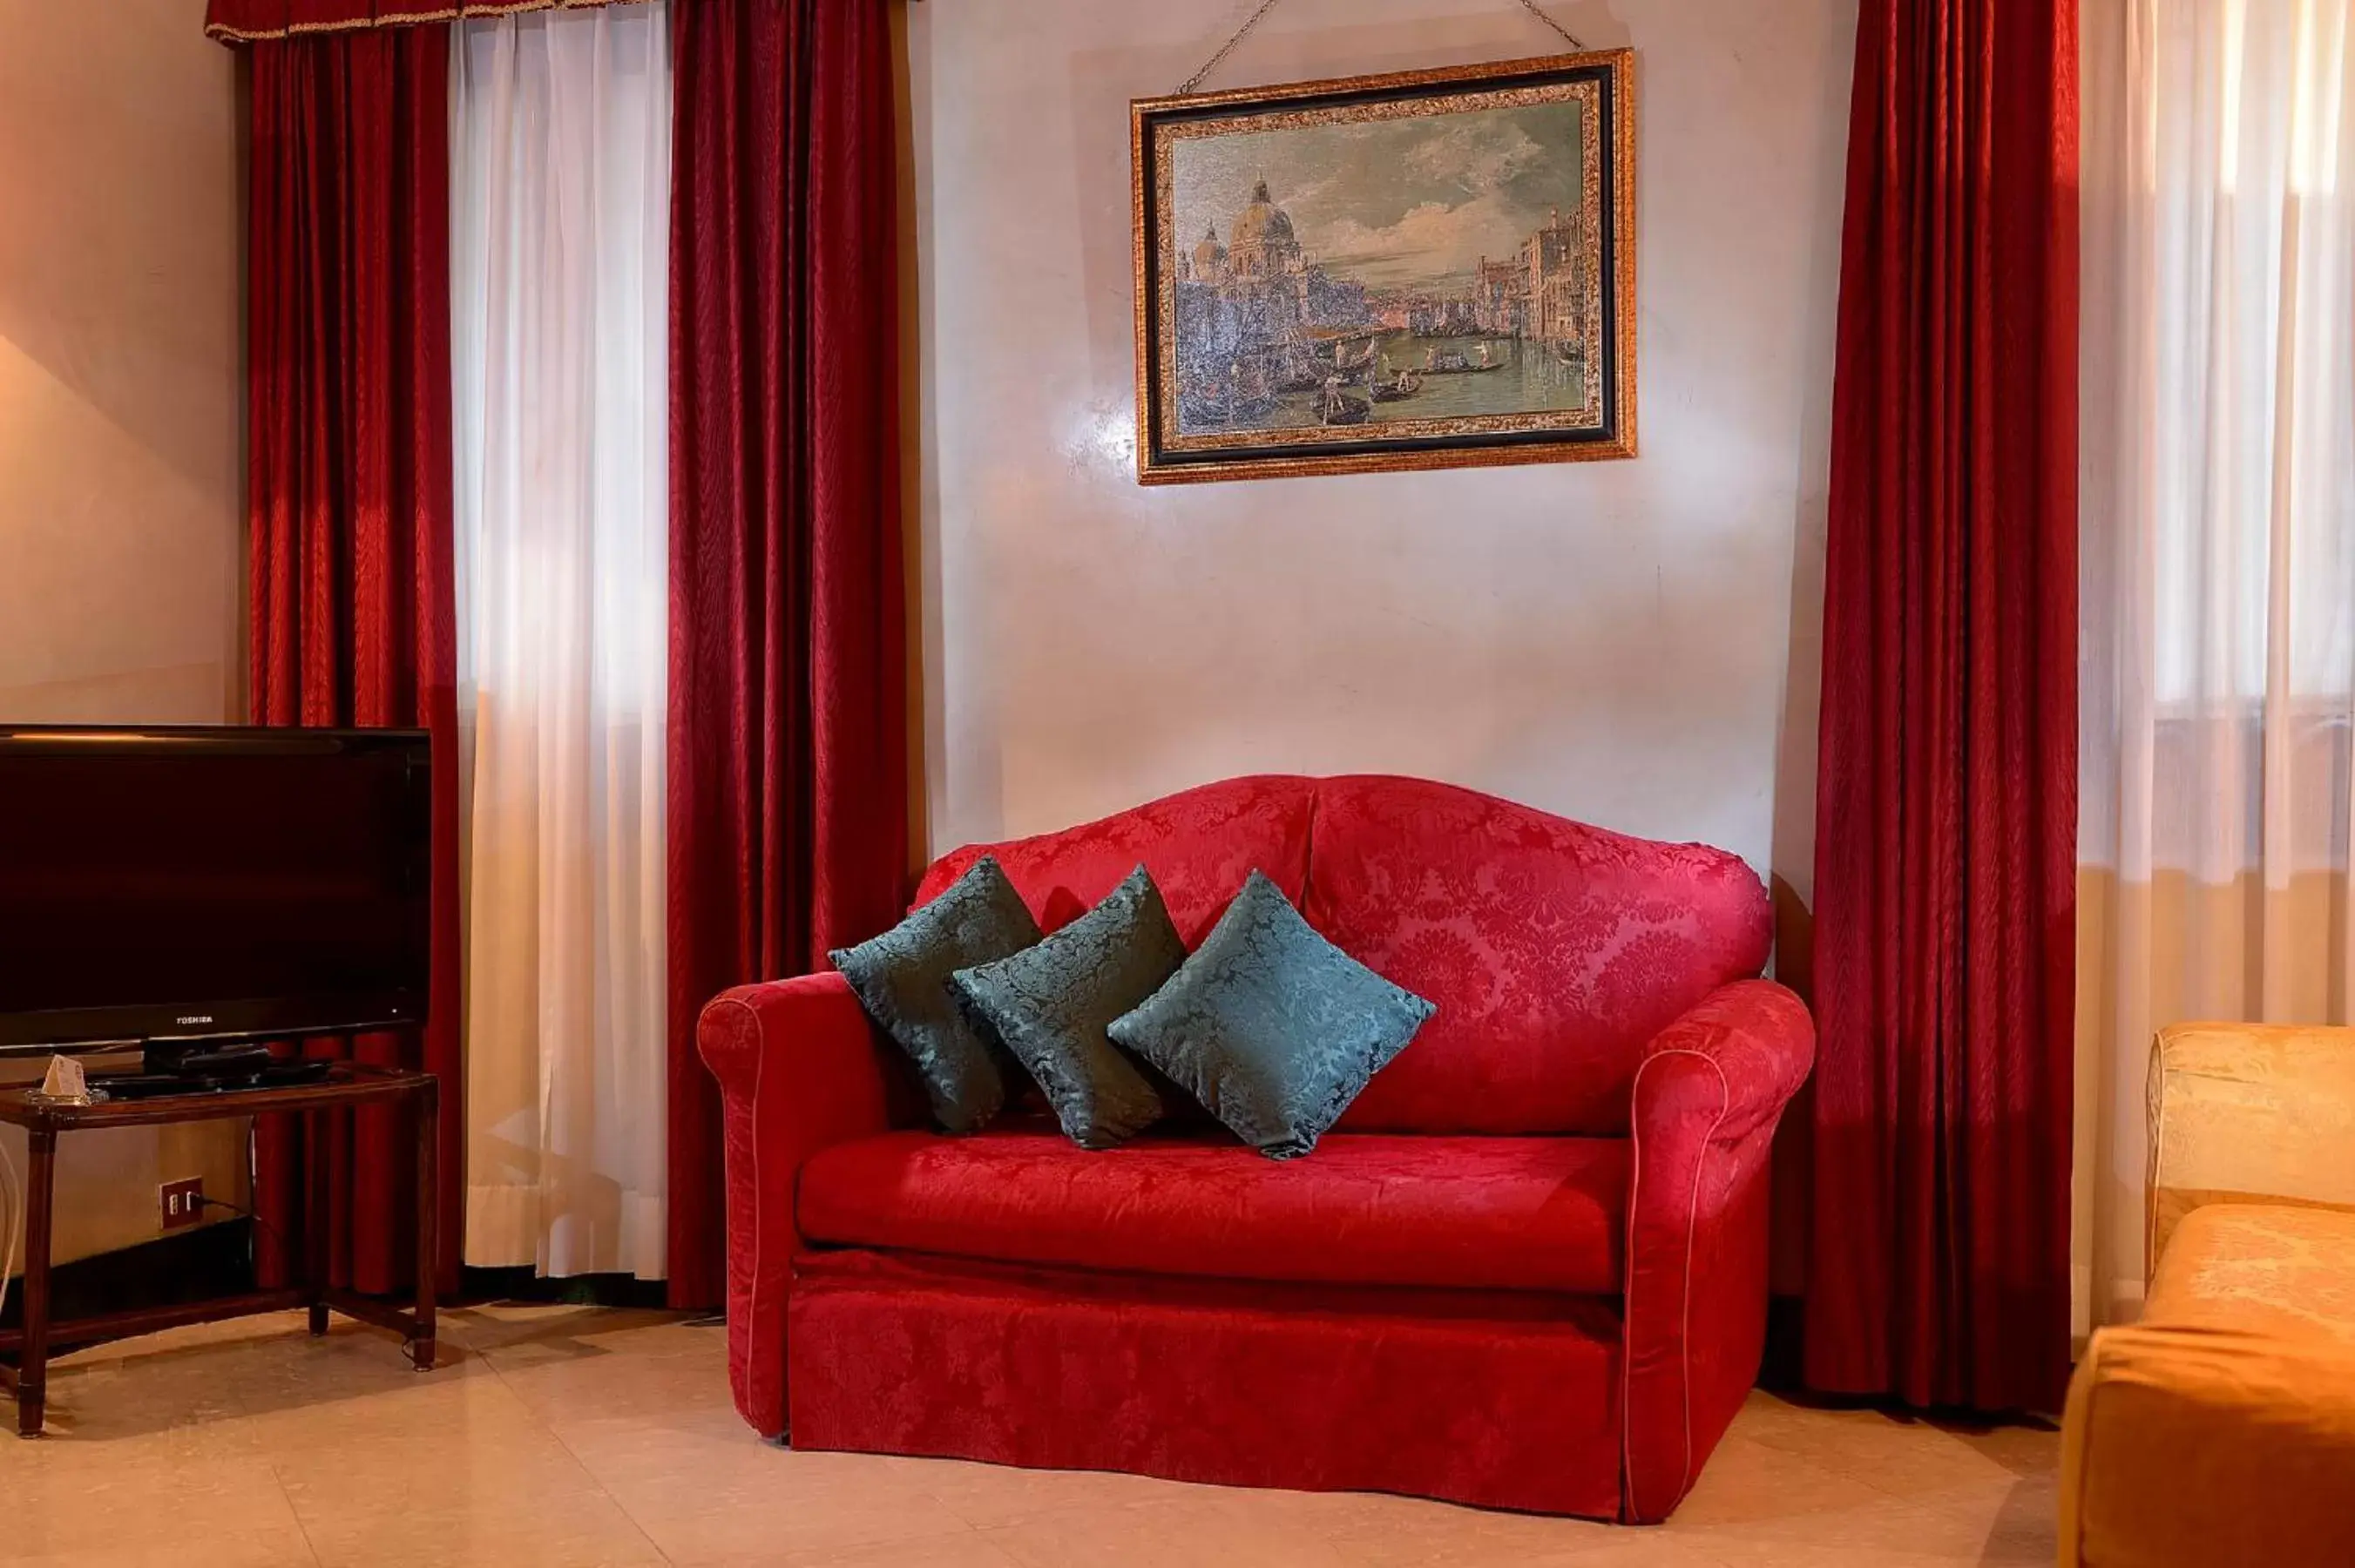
(1554, 950)
(1200, 845)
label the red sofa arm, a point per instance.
(1708, 1094)
(800, 1069)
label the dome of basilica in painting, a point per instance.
(1263, 222)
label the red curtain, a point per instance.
(349, 514)
(787, 749)
(1946, 814)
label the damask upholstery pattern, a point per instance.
(1553, 950)
(839, 1081)
(1200, 845)
(2221, 1427)
(901, 978)
(1707, 1098)
(1499, 1399)
(1181, 1308)
(1051, 1003)
(2265, 1267)
(1367, 1208)
(1272, 1029)
(2248, 1114)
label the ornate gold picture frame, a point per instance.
(1425, 270)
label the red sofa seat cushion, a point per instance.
(1502, 1213)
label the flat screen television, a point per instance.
(217, 884)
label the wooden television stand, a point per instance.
(346, 1083)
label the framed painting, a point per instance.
(1425, 270)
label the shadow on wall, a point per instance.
(919, 497)
(1793, 880)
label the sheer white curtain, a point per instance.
(559, 211)
(2219, 563)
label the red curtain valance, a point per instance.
(242, 21)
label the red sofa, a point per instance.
(1528, 1270)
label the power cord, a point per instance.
(17, 1220)
(275, 1233)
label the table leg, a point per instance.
(32, 1361)
(315, 1216)
(428, 1117)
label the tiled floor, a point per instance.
(568, 1436)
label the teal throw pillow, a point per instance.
(1051, 1003)
(1273, 1028)
(901, 979)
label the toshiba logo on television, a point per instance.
(194, 1019)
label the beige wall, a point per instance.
(1629, 643)
(121, 467)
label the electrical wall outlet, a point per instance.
(182, 1201)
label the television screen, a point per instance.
(176, 884)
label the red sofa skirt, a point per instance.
(1498, 1399)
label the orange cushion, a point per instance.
(1505, 1213)
(2221, 1429)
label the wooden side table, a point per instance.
(346, 1083)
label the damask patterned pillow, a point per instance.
(901, 979)
(1271, 1027)
(1051, 1003)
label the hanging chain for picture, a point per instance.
(1195, 81)
(1567, 36)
